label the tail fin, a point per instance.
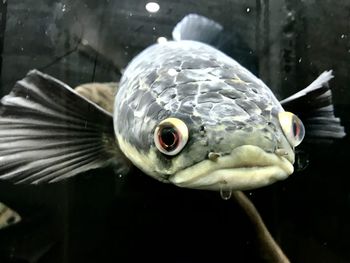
(49, 132)
(198, 28)
(315, 108)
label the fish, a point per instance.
(8, 216)
(184, 113)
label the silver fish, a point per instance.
(8, 217)
(185, 113)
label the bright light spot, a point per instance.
(248, 10)
(162, 40)
(172, 72)
(152, 7)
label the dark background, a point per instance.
(98, 217)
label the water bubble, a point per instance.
(154, 28)
(248, 10)
(301, 160)
(342, 36)
(130, 14)
(300, 59)
(64, 8)
(27, 97)
(22, 48)
(162, 40)
(225, 193)
(120, 176)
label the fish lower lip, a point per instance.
(247, 167)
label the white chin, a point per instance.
(247, 167)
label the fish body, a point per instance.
(184, 113)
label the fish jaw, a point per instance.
(246, 167)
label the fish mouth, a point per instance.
(246, 167)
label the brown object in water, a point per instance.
(271, 251)
(100, 93)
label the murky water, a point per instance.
(104, 216)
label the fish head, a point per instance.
(216, 150)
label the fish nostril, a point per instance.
(281, 152)
(213, 156)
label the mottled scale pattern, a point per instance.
(193, 81)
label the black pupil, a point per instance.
(168, 138)
(295, 129)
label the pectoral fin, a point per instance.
(314, 107)
(48, 132)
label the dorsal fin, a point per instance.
(197, 28)
(202, 29)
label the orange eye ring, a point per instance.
(171, 136)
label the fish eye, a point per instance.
(292, 127)
(171, 136)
